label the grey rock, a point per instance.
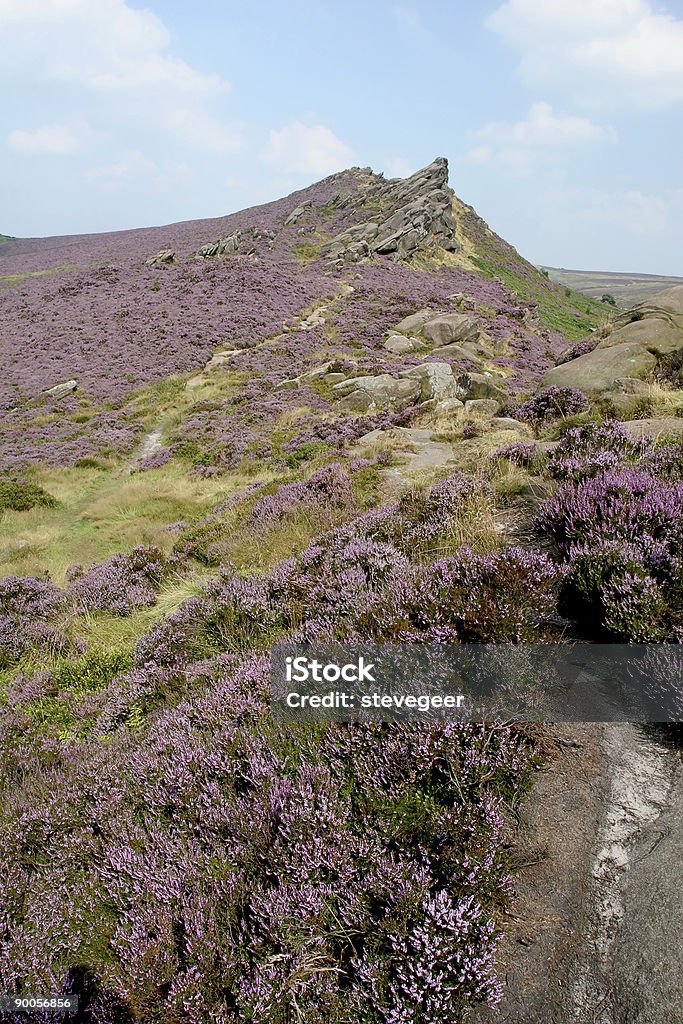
(416, 213)
(597, 370)
(62, 390)
(657, 335)
(507, 423)
(297, 213)
(449, 327)
(223, 247)
(448, 407)
(415, 322)
(380, 392)
(163, 258)
(14, 550)
(670, 426)
(400, 345)
(480, 385)
(436, 380)
(483, 406)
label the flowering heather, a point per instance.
(28, 607)
(582, 348)
(327, 489)
(628, 504)
(520, 453)
(551, 403)
(594, 448)
(618, 519)
(121, 584)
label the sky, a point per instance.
(561, 119)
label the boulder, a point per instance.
(449, 327)
(480, 385)
(297, 213)
(436, 381)
(507, 423)
(62, 390)
(448, 407)
(671, 426)
(400, 345)
(483, 406)
(597, 370)
(662, 337)
(415, 321)
(162, 258)
(362, 394)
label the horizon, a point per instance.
(554, 120)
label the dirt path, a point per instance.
(596, 933)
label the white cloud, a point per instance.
(101, 44)
(112, 61)
(398, 167)
(611, 51)
(49, 139)
(536, 138)
(130, 166)
(307, 149)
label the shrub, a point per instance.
(550, 404)
(122, 583)
(591, 449)
(20, 496)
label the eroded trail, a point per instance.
(597, 929)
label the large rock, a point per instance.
(436, 381)
(163, 258)
(414, 323)
(363, 394)
(480, 385)
(671, 426)
(400, 345)
(297, 213)
(659, 336)
(414, 214)
(449, 327)
(62, 390)
(598, 370)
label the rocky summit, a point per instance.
(354, 415)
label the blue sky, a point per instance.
(561, 119)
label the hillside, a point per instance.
(627, 289)
(353, 415)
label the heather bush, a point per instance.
(589, 450)
(121, 584)
(551, 404)
(582, 348)
(28, 610)
(618, 520)
(628, 504)
(499, 598)
(325, 492)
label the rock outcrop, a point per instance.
(640, 338)
(408, 215)
(364, 394)
(62, 390)
(162, 258)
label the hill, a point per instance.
(329, 419)
(627, 289)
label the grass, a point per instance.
(102, 512)
(9, 280)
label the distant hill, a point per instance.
(627, 289)
(7, 238)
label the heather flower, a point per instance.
(551, 404)
(122, 583)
